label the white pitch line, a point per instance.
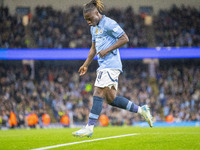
(66, 144)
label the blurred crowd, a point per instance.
(19, 94)
(178, 27)
(52, 28)
(12, 32)
(174, 27)
(179, 89)
(60, 89)
(56, 29)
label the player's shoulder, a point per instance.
(109, 20)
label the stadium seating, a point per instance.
(177, 27)
(12, 31)
(51, 28)
(59, 88)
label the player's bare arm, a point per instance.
(121, 41)
(83, 69)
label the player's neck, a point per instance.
(100, 17)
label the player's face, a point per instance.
(92, 18)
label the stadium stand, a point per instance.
(12, 31)
(61, 89)
(69, 30)
(55, 29)
(170, 29)
(58, 88)
(178, 27)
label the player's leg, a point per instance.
(119, 101)
(97, 105)
(94, 114)
(124, 103)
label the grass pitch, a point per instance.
(171, 138)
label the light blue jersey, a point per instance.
(105, 34)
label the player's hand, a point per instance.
(82, 70)
(103, 53)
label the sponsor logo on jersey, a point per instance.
(115, 29)
(97, 31)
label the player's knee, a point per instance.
(98, 92)
(110, 94)
(109, 100)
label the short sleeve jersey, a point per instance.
(104, 35)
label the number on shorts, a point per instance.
(100, 74)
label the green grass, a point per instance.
(178, 138)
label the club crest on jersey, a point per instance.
(101, 31)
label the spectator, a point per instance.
(65, 92)
(12, 31)
(177, 27)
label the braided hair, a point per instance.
(90, 6)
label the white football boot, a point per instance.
(146, 114)
(84, 132)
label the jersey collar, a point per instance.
(100, 22)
